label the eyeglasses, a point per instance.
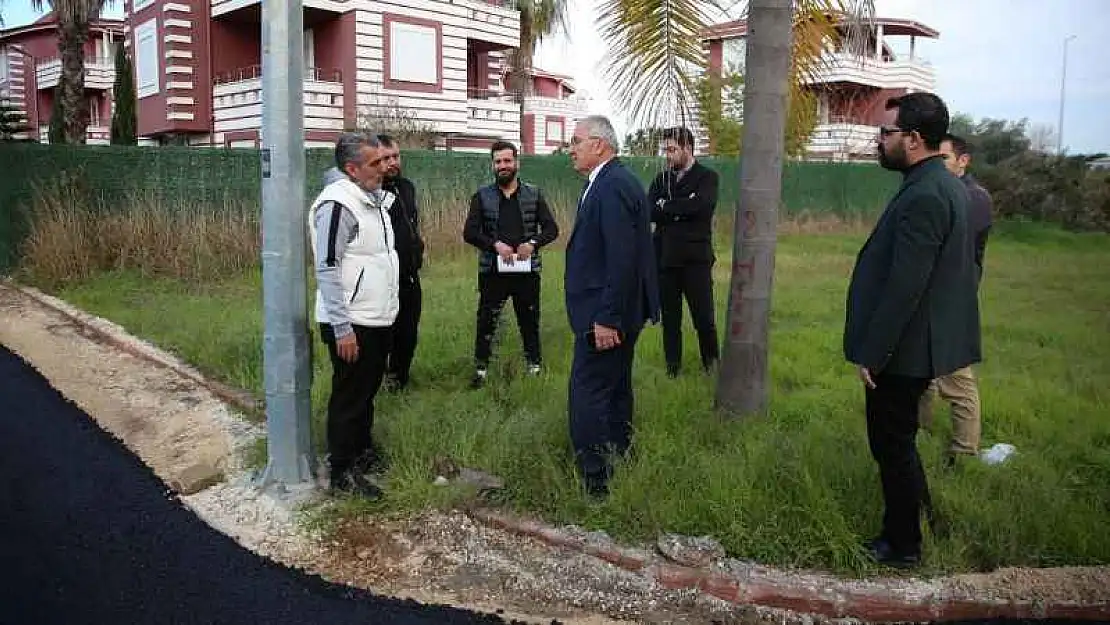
(579, 141)
(886, 131)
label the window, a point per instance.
(414, 55)
(139, 5)
(309, 55)
(4, 65)
(147, 66)
(554, 131)
(94, 111)
(735, 52)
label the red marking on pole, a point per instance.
(737, 328)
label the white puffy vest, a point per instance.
(369, 266)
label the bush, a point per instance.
(1039, 187)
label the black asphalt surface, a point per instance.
(89, 535)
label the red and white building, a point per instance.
(851, 89)
(438, 63)
(30, 70)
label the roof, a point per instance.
(568, 81)
(891, 26)
(48, 22)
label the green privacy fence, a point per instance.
(195, 178)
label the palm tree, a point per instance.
(539, 19)
(655, 54)
(73, 18)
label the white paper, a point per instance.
(516, 265)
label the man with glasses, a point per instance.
(912, 312)
(611, 291)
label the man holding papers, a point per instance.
(508, 222)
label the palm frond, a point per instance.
(548, 17)
(655, 51)
(654, 55)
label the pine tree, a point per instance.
(124, 122)
(57, 119)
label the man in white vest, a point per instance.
(357, 288)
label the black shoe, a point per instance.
(881, 552)
(479, 379)
(351, 483)
(673, 370)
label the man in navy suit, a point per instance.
(611, 291)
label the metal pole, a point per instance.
(1063, 85)
(285, 352)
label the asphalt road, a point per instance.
(89, 535)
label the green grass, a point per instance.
(796, 488)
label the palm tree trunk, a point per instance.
(742, 388)
(520, 78)
(71, 48)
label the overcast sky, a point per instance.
(994, 58)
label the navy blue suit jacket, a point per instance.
(611, 275)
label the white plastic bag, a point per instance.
(997, 454)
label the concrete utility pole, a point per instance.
(285, 354)
(1063, 85)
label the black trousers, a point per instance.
(353, 387)
(493, 290)
(695, 284)
(892, 433)
(405, 329)
(600, 405)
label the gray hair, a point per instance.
(599, 126)
(348, 148)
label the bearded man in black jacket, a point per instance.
(405, 216)
(683, 199)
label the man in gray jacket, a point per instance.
(356, 269)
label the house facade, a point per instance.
(435, 65)
(30, 70)
(851, 89)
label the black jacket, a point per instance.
(406, 227)
(912, 307)
(684, 219)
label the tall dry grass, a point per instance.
(71, 238)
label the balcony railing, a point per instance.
(251, 72)
(100, 72)
(884, 74)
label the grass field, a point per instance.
(795, 488)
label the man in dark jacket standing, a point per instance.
(959, 388)
(509, 221)
(683, 198)
(912, 311)
(410, 254)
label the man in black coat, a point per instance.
(683, 198)
(405, 216)
(912, 311)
